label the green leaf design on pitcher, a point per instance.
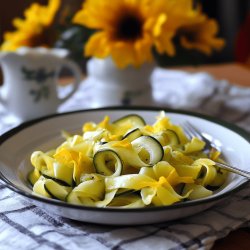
(39, 76)
(43, 92)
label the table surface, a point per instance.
(240, 75)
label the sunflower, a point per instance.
(35, 29)
(128, 29)
(179, 13)
(201, 35)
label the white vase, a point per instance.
(113, 86)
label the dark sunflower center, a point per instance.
(129, 27)
(45, 38)
(190, 34)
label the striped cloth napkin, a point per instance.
(25, 226)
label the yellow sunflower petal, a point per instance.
(122, 54)
(200, 34)
(98, 45)
(158, 26)
(32, 28)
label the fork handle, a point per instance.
(234, 169)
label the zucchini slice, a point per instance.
(39, 188)
(107, 162)
(149, 149)
(134, 119)
(173, 137)
(124, 191)
(133, 134)
(33, 176)
(196, 191)
(72, 198)
(91, 189)
(127, 201)
(60, 182)
(56, 190)
(64, 173)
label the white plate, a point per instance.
(17, 145)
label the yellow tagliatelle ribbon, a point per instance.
(180, 169)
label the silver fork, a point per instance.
(192, 131)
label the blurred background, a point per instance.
(233, 17)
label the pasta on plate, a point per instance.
(127, 164)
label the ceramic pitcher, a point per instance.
(30, 88)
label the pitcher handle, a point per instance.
(76, 71)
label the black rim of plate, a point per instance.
(244, 134)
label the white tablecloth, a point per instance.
(25, 226)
